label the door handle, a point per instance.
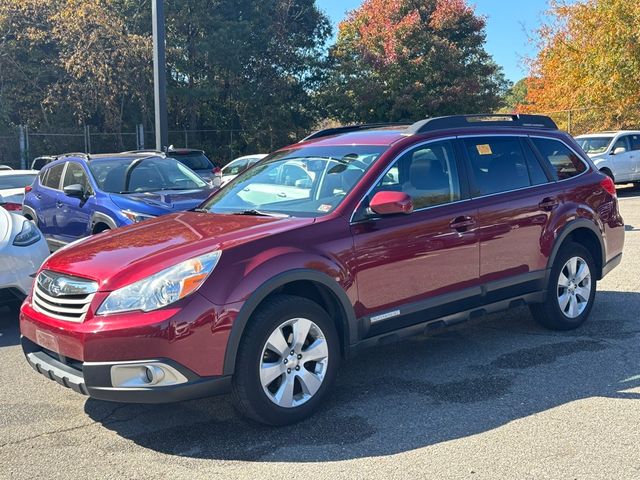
(282, 195)
(462, 224)
(549, 203)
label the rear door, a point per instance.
(74, 214)
(515, 196)
(634, 140)
(407, 263)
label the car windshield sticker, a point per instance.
(324, 208)
(484, 149)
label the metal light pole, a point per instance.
(159, 75)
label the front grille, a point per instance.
(70, 307)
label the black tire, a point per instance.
(549, 314)
(247, 390)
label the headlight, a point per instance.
(162, 288)
(136, 217)
(27, 236)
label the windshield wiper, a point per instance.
(259, 213)
(200, 210)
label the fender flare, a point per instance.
(566, 231)
(98, 217)
(26, 210)
(268, 287)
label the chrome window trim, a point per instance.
(472, 135)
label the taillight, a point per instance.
(28, 188)
(217, 171)
(608, 185)
(12, 207)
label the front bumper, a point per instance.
(95, 378)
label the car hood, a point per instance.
(125, 255)
(162, 201)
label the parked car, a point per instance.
(196, 160)
(235, 167)
(79, 195)
(12, 188)
(401, 230)
(40, 162)
(22, 250)
(616, 154)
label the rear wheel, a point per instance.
(287, 361)
(571, 290)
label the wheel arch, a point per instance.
(29, 212)
(586, 233)
(100, 218)
(306, 283)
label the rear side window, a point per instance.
(564, 162)
(54, 174)
(499, 164)
(236, 168)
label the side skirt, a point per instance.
(447, 321)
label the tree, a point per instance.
(515, 97)
(589, 58)
(409, 59)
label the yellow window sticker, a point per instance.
(484, 149)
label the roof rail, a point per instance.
(84, 155)
(482, 120)
(351, 128)
(144, 150)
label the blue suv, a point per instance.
(78, 195)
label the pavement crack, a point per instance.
(64, 430)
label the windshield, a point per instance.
(195, 161)
(305, 182)
(594, 144)
(150, 174)
(16, 181)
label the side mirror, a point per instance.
(391, 203)
(76, 191)
(618, 151)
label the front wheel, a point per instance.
(287, 361)
(571, 290)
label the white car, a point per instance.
(615, 153)
(235, 167)
(22, 251)
(12, 185)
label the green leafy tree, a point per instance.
(409, 59)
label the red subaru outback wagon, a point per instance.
(354, 236)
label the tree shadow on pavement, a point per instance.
(414, 393)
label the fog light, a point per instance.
(145, 374)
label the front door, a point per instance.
(404, 262)
(74, 214)
(624, 163)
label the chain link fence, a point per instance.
(22, 143)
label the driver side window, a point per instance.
(428, 174)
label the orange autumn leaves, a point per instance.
(589, 58)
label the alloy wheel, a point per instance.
(574, 287)
(294, 362)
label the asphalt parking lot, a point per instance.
(497, 398)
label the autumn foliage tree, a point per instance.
(589, 62)
(408, 59)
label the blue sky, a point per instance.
(508, 22)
